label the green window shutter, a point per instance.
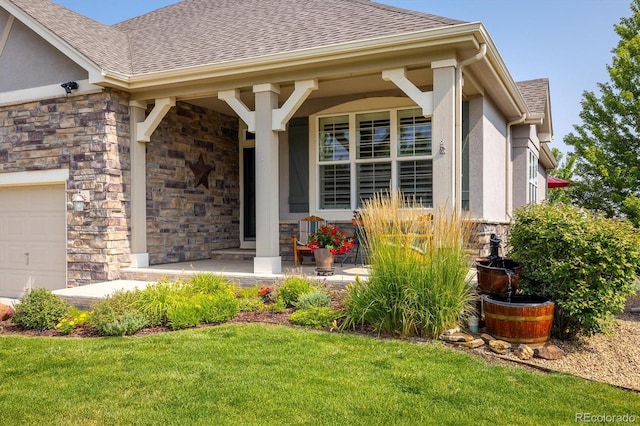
(299, 165)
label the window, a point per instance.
(361, 154)
(533, 178)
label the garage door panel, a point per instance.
(32, 220)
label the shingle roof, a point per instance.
(200, 32)
(535, 94)
(106, 46)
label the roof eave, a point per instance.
(372, 46)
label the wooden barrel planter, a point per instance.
(522, 319)
(498, 276)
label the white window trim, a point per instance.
(391, 105)
(532, 178)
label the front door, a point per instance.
(247, 189)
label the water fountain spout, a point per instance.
(494, 244)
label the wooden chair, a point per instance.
(308, 225)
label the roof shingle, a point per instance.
(201, 32)
(535, 94)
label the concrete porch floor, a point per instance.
(239, 271)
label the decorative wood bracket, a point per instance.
(232, 98)
(150, 124)
(282, 115)
(398, 77)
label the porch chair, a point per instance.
(307, 225)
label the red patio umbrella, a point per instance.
(554, 182)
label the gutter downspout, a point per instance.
(508, 168)
(458, 122)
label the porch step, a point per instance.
(236, 254)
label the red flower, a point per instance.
(331, 238)
(263, 291)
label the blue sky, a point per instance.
(567, 41)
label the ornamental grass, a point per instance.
(419, 283)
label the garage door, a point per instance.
(33, 235)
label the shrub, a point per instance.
(292, 288)
(316, 298)
(74, 318)
(419, 282)
(211, 284)
(119, 314)
(184, 314)
(315, 317)
(216, 308)
(40, 309)
(155, 300)
(585, 262)
(248, 299)
(124, 324)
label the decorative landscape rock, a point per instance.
(457, 337)
(6, 312)
(451, 331)
(523, 352)
(487, 337)
(475, 343)
(550, 352)
(499, 346)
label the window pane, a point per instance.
(414, 133)
(416, 178)
(334, 138)
(372, 178)
(374, 135)
(335, 186)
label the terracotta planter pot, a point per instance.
(324, 259)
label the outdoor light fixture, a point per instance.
(78, 202)
(69, 86)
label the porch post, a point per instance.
(141, 129)
(267, 260)
(139, 255)
(443, 135)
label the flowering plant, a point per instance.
(331, 238)
(265, 294)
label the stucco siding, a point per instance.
(494, 163)
(29, 61)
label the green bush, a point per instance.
(584, 262)
(216, 308)
(119, 314)
(315, 317)
(155, 300)
(211, 284)
(419, 281)
(292, 288)
(184, 314)
(316, 298)
(124, 324)
(40, 309)
(73, 318)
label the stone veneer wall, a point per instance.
(185, 222)
(89, 135)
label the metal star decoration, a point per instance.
(201, 172)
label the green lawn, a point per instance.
(260, 374)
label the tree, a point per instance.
(564, 171)
(607, 144)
